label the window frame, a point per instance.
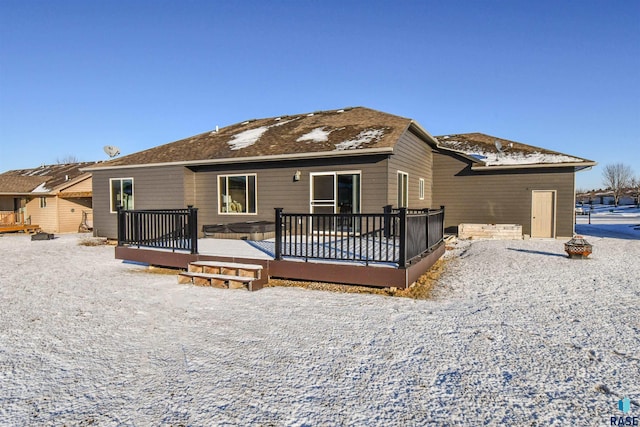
(421, 188)
(111, 201)
(246, 200)
(403, 185)
(43, 202)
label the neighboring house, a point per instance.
(489, 180)
(605, 197)
(58, 198)
(350, 160)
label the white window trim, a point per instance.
(421, 188)
(406, 188)
(133, 196)
(43, 202)
(335, 174)
(220, 212)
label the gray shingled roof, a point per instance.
(348, 129)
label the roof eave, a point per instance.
(416, 127)
(9, 193)
(255, 159)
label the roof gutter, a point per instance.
(578, 166)
(415, 126)
(253, 159)
(476, 161)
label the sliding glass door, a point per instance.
(335, 192)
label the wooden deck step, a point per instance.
(253, 267)
(215, 280)
(226, 268)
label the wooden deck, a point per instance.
(335, 272)
(14, 228)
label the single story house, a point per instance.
(347, 160)
(330, 175)
(57, 198)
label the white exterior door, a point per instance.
(543, 207)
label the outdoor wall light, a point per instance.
(296, 176)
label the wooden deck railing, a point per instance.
(174, 229)
(394, 236)
(13, 218)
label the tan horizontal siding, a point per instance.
(82, 186)
(70, 214)
(47, 217)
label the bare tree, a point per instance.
(617, 176)
(67, 159)
(635, 189)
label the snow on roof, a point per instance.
(40, 189)
(316, 135)
(249, 137)
(246, 138)
(528, 159)
(485, 148)
(364, 137)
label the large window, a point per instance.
(403, 189)
(121, 193)
(237, 194)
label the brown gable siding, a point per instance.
(154, 188)
(499, 197)
(189, 187)
(413, 156)
(276, 187)
(176, 187)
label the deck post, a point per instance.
(427, 223)
(278, 254)
(442, 235)
(402, 261)
(387, 220)
(120, 223)
(193, 228)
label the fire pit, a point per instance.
(578, 248)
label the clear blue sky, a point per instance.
(78, 75)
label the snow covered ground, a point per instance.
(518, 334)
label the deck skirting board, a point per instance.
(345, 273)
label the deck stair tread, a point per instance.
(222, 274)
(252, 267)
(217, 276)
